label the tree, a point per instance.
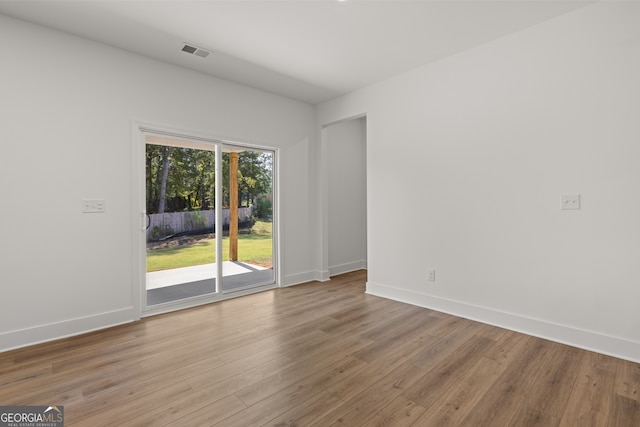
(166, 160)
(255, 174)
(181, 179)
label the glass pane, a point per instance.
(247, 248)
(180, 196)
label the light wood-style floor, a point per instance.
(320, 354)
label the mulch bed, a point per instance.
(176, 242)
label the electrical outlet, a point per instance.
(431, 275)
(93, 205)
(570, 201)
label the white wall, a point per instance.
(346, 196)
(66, 107)
(484, 143)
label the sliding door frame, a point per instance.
(139, 132)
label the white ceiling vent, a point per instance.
(193, 50)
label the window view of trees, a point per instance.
(180, 205)
(183, 179)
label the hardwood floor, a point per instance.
(320, 354)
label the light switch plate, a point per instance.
(570, 201)
(93, 205)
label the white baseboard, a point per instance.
(308, 276)
(322, 275)
(587, 340)
(67, 328)
(348, 267)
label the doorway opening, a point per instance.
(345, 143)
(209, 214)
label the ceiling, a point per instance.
(310, 50)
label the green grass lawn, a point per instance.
(254, 248)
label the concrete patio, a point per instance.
(179, 283)
(178, 276)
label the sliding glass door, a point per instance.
(248, 245)
(209, 218)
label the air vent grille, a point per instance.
(194, 50)
(189, 49)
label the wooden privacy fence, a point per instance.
(167, 224)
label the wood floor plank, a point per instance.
(493, 332)
(365, 405)
(370, 324)
(164, 395)
(400, 412)
(554, 381)
(534, 418)
(296, 394)
(295, 374)
(376, 370)
(229, 369)
(412, 328)
(628, 381)
(307, 413)
(591, 400)
(207, 415)
(459, 400)
(24, 375)
(500, 404)
(319, 354)
(439, 379)
(625, 413)
(508, 348)
(258, 345)
(454, 332)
